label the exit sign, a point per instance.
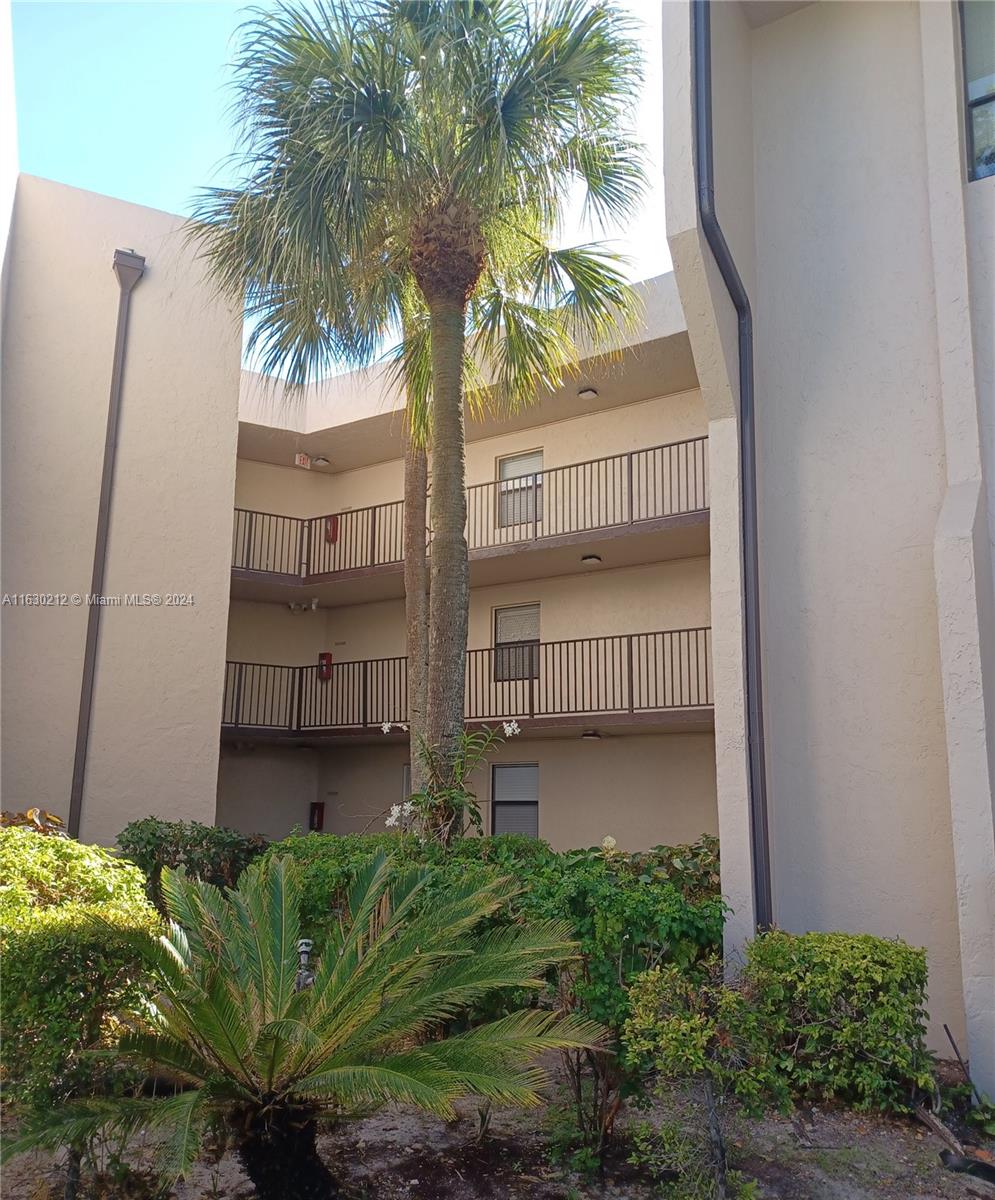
(302, 460)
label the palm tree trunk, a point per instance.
(416, 600)
(450, 578)
(280, 1156)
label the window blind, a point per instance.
(516, 818)
(520, 464)
(518, 624)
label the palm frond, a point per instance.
(183, 1120)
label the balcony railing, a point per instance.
(630, 673)
(606, 493)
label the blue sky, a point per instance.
(129, 99)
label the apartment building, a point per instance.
(835, 731)
(258, 690)
(588, 537)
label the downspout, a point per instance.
(705, 177)
(129, 268)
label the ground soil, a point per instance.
(400, 1155)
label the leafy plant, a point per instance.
(447, 807)
(694, 869)
(566, 1146)
(846, 1015)
(68, 914)
(689, 1025)
(629, 916)
(267, 1057)
(629, 912)
(670, 1152)
(209, 852)
(974, 1109)
(40, 872)
(693, 1027)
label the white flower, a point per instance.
(511, 728)
(403, 728)
(400, 814)
(608, 844)
(385, 727)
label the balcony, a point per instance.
(632, 680)
(656, 499)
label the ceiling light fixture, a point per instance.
(590, 560)
(588, 393)
(590, 735)
(320, 461)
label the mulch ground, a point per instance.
(814, 1154)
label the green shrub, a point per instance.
(628, 911)
(209, 852)
(329, 863)
(68, 917)
(688, 1025)
(846, 1014)
(40, 872)
(629, 916)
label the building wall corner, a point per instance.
(966, 624)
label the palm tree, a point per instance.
(409, 160)
(266, 1058)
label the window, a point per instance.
(405, 782)
(977, 19)
(520, 489)
(515, 799)
(516, 643)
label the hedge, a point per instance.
(41, 872)
(210, 852)
(630, 911)
(68, 916)
(846, 1014)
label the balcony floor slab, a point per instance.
(661, 540)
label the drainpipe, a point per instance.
(129, 268)
(705, 176)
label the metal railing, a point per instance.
(625, 673)
(604, 493)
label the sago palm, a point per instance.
(407, 163)
(268, 1058)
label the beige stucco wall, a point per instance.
(266, 790)
(868, 560)
(979, 205)
(643, 599)
(154, 733)
(854, 696)
(962, 554)
(294, 491)
(667, 781)
(711, 321)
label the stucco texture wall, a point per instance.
(643, 599)
(266, 790)
(157, 704)
(667, 782)
(293, 491)
(851, 478)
